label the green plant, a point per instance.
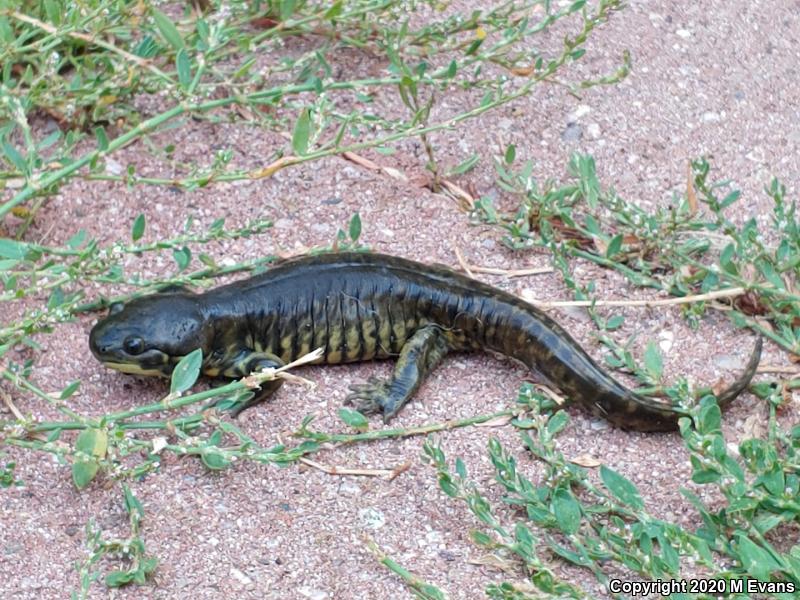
(694, 251)
(691, 249)
(71, 78)
(85, 65)
(132, 550)
(605, 528)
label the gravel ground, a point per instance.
(709, 78)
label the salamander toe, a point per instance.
(369, 397)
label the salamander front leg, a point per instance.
(420, 354)
(249, 362)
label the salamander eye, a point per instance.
(133, 345)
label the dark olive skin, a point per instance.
(357, 307)
(165, 325)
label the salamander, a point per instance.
(359, 307)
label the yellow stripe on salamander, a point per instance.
(134, 369)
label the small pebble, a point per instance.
(581, 111)
(312, 593)
(113, 167)
(372, 518)
(572, 133)
(240, 576)
(727, 361)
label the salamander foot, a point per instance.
(373, 396)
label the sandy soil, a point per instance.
(709, 78)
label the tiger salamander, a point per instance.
(357, 307)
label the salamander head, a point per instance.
(149, 335)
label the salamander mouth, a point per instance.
(150, 362)
(137, 369)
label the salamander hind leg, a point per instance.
(249, 362)
(420, 354)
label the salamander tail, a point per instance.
(738, 386)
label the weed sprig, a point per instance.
(604, 526)
(690, 248)
(85, 66)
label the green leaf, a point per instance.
(730, 199)
(15, 158)
(583, 167)
(758, 562)
(93, 442)
(481, 538)
(614, 246)
(570, 555)
(53, 11)
(186, 371)
(700, 474)
(148, 565)
(576, 6)
(669, 555)
(207, 260)
(7, 36)
(615, 322)
(355, 227)
(653, 362)
(302, 131)
(214, 460)
(726, 259)
(621, 487)
(354, 419)
(83, 472)
(184, 67)
(102, 138)
(13, 249)
(511, 154)
(69, 390)
(567, 511)
(709, 416)
(334, 11)
(182, 256)
(287, 9)
(770, 274)
(132, 504)
(167, 29)
(473, 47)
(557, 422)
(592, 226)
(774, 481)
(146, 48)
(119, 578)
(448, 487)
(465, 166)
(56, 298)
(77, 240)
(137, 231)
(49, 140)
